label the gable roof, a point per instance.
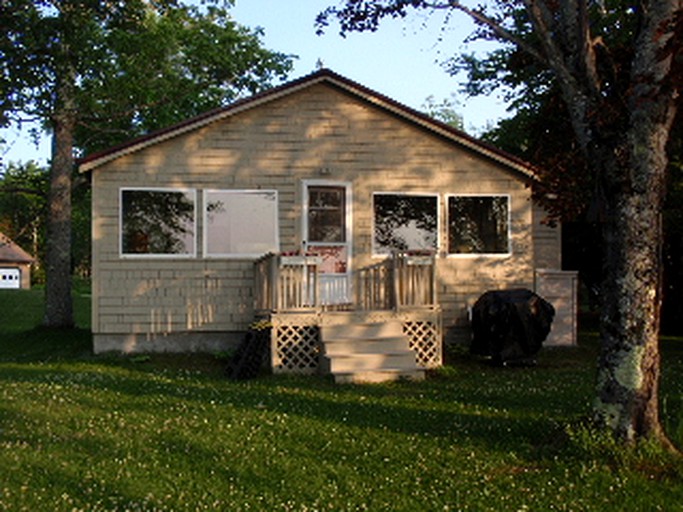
(11, 252)
(323, 76)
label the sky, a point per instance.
(402, 60)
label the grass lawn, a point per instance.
(79, 432)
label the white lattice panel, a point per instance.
(424, 338)
(295, 348)
(296, 343)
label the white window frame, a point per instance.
(436, 196)
(330, 292)
(236, 255)
(349, 211)
(506, 254)
(190, 255)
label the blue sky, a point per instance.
(401, 60)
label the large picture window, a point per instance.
(157, 222)
(478, 224)
(240, 223)
(405, 222)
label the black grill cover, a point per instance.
(510, 325)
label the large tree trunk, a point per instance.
(634, 178)
(58, 300)
(628, 372)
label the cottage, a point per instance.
(15, 265)
(325, 207)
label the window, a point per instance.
(405, 222)
(240, 223)
(478, 224)
(326, 214)
(157, 222)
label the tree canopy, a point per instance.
(134, 66)
(23, 200)
(95, 73)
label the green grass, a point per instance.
(79, 432)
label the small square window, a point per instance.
(478, 225)
(240, 223)
(405, 222)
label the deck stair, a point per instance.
(357, 350)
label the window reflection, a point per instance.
(157, 222)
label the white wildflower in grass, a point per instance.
(110, 434)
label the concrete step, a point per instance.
(346, 331)
(377, 376)
(365, 346)
(362, 362)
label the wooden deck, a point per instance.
(400, 290)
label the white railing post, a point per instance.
(396, 281)
(274, 277)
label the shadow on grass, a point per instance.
(45, 344)
(507, 410)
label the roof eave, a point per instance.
(443, 130)
(100, 158)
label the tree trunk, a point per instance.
(628, 375)
(58, 300)
(628, 371)
(634, 178)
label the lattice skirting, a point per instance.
(296, 343)
(424, 337)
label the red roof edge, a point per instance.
(334, 79)
(197, 119)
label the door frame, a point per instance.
(348, 235)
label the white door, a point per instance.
(327, 233)
(10, 278)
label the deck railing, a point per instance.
(375, 286)
(285, 282)
(290, 283)
(416, 280)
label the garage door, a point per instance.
(10, 278)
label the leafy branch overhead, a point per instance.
(97, 73)
(136, 66)
(570, 60)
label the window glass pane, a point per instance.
(405, 223)
(157, 222)
(240, 222)
(478, 225)
(326, 214)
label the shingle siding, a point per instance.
(316, 133)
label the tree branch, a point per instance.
(578, 99)
(23, 190)
(540, 19)
(480, 17)
(580, 44)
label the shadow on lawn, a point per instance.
(446, 407)
(520, 410)
(42, 344)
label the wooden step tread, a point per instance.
(377, 376)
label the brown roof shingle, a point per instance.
(11, 252)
